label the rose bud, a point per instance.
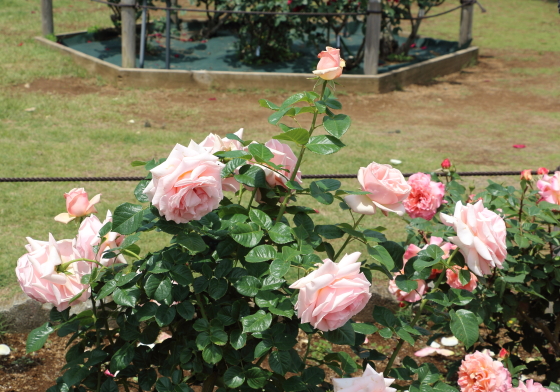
(330, 66)
(542, 170)
(526, 175)
(446, 164)
(77, 205)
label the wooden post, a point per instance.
(47, 17)
(128, 34)
(373, 38)
(465, 33)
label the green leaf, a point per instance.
(460, 297)
(464, 325)
(279, 268)
(386, 333)
(248, 235)
(192, 242)
(75, 375)
(438, 298)
(337, 125)
(163, 384)
(260, 218)
(293, 99)
(182, 275)
(324, 144)
(231, 166)
(251, 175)
(127, 218)
(261, 253)
(321, 106)
(384, 316)
(237, 339)
(146, 311)
(126, 297)
(280, 233)
(157, 287)
(330, 232)
(37, 338)
(217, 288)
(109, 385)
(342, 335)
(406, 285)
(364, 329)
(405, 336)
(380, 254)
(257, 322)
(294, 185)
(256, 377)
(234, 377)
(319, 195)
(248, 285)
(265, 299)
(122, 357)
(265, 103)
(139, 191)
(212, 354)
(260, 152)
(165, 315)
(277, 116)
(294, 384)
(280, 362)
(186, 310)
(296, 135)
(107, 289)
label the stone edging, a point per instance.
(423, 72)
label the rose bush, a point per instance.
(224, 303)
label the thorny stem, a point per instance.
(521, 207)
(98, 341)
(300, 157)
(304, 360)
(347, 239)
(416, 317)
(106, 322)
(252, 198)
(64, 266)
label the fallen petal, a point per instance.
(450, 342)
(4, 350)
(395, 161)
(519, 146)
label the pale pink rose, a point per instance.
(412, 296)
(88, 237)
(330, 64)
(370, 381)
(213, 143)
(388, 189)
(425, 196)
(480, 373)
(481, 236)
(453, 279)
(38, 277)
(333, 293)
(529, 386)
(285, 157)
(77, 205)
(188, 185)
(549, 188)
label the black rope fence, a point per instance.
(305, 176)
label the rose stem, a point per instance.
(348, 239)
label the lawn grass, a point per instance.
(81, 127)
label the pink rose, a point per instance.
(412, 296)
(549, 188)
(542, 170)
(446, 164)
(188, 185)
(370, 381)
(38, 277)
(481, 236)
(453, 279)
(526, 175)
(213, 143)
(88, 237)
(479, 373)
(529, 386)
(285, 157)
(332, 294)
(387, 186)
(77, 205)
(330, 66)
(425, 196)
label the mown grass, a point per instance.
(88, 133)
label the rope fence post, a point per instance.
(128, 33)
(465, 32)
(143, 35)
(373, 37)
(47, 17)
(168, 34)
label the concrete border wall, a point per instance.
(419, 73)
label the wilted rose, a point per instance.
(332, 294)
(425, 196)
(387, 186)
(188, 185)
(481, 236)
(38, 276)
(370, 381)
(330, 66)
(480, 373)
(77, 205)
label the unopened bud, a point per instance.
(526, 175)
(402, 304)
(446, 164)
(503, 353)
(542, 170)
